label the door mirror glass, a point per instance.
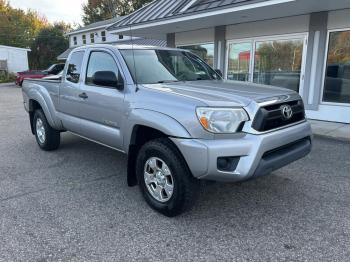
(106, 78)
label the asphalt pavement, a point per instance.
(74, 205)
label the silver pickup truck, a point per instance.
(174, 116)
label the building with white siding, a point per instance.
(303, 45)
(96, 33)
(13, 59)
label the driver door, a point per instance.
(101, 108)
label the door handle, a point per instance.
(83, 95)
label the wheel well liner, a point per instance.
(140, 135)
(33, 105)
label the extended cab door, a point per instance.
(69, 92)
(102, 110)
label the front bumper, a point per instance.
(259, 154)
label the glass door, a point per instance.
(337, 80)
(275, 60)
(239, 61)
(279, 63)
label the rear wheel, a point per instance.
(164, 178)
(47, 138)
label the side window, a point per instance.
(103, 35)
(92, 38)
(100, 62)
(74, 67)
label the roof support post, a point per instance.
(170, 40)
(220, 48)
(316, 51)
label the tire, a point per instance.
(185, 187)
(47, 138)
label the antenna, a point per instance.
(133, 53)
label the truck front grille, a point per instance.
(271, 117)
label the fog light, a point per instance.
(227, 164)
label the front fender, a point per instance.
(156, 120)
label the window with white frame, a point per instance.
(204, 51)
(84, 39)
(92, 38)
(75, 42)
(337, 74)
(103, 36)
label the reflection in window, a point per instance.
(100, 61)
(74, 67)
(278, 63)
(239, 61)
(337, 81)
(205, 51)
(162, 66)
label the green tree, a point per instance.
(98, 10)
(48, 44)
(18, 28)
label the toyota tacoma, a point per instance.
(175, 117)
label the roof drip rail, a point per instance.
(190, 4)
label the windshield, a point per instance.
(162, 66)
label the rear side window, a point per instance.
(74, 67)
(100, 61)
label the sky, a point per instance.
(69, 11)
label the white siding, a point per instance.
(200, 36)
(281, 26)
(17, 58)
(339, 19)
(97, 35)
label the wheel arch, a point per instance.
(42, 100)
(146, 125)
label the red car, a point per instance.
(38, 74)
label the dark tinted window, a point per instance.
(100, 62)
(56, 69)
(74, 67)
(205, 51)
(337, 81)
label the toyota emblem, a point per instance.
(286, 111)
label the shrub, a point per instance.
(7, 77)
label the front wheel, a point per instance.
(47, 138)
(164, 178)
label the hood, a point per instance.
(223, 92)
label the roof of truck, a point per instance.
(125, 47)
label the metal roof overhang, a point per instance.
(229, 16)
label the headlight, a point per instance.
(221, 120)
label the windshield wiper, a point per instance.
(167, 81)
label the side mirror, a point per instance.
(218, 71)
(107, 78)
